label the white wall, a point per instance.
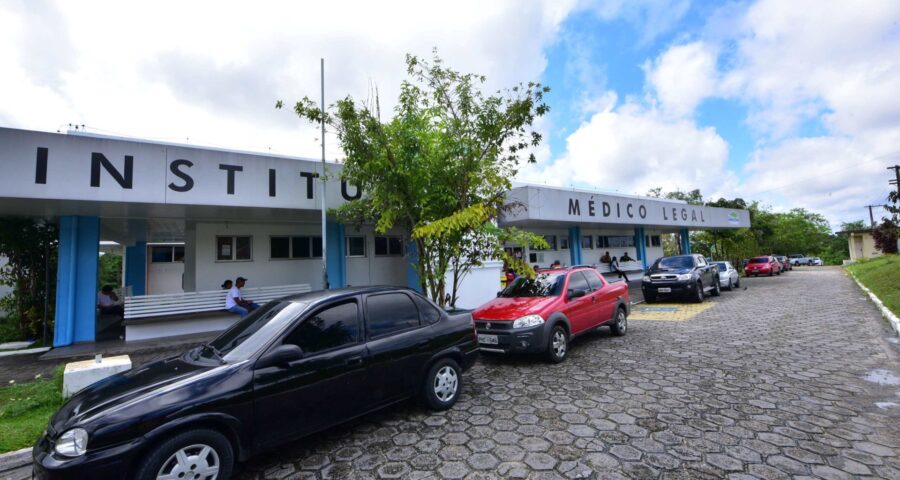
(164, 278)
(479, 286)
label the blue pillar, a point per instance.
(136, 268)
(685, 241)
(412, 275)
(76, 280)
(575, 245)
(640, 240)
(336, 263)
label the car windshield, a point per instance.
(676, 262)
(722, 267)
(759, 260)
(542, 285)
(252, 332)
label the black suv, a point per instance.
(687, 275)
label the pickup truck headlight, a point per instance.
(528, 321)
(72, 443)
(646, 278)
(684, 276)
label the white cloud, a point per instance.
(633, 149)
(211, 71)
(651, 17)
(683, 76)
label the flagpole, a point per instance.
(324, 180)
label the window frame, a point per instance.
(368, 331)
(291, 254)
(171, 248)
(233, 249)
(590, 239)
(387, 246)
(364, 245)
(563, 242)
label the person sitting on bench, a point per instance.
(109, 302)
(625, 258)
(235, 303)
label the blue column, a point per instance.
(336, 263)
(575, 245)
(412, 275)
(76, 280)
(136, 268)
(685, 241)
(640, 240)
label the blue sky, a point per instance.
(791, 103)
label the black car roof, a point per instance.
(320, 295)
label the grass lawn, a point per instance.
(882, 277)
(25, 410)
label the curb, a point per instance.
(889, 315)
(26, 351)
(16, 465)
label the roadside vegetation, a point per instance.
(882, 276)
(25, 410)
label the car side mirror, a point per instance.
(280, 356)
(574, 293)
(499, 293)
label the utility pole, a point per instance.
(324, 177)
(871, 217)
(896, 169)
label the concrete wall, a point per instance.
(479, 286)
(372, 269)
(164, 278)
(862, 246)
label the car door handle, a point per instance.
(353, 361)
(422, 343)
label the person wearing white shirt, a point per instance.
(109, 302)
(235, 303)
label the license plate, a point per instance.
(664, 290)
(488, 339)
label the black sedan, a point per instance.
(296, 366)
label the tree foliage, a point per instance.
(29, 246)
(439, 168)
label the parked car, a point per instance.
(543, 314)
(728, 275)
(798, 259)
(682, 275)
(764, 265)
(785, 263)
(293, 367)
(815, 261)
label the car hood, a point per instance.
(512, 308)
(670, 271)
(117, 392)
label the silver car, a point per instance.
(728, 276)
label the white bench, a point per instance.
(171, 314)
(633, 266)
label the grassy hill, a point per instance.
(882, 277)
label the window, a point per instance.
(615, 241)
(578, 282)
(427, 312)
(356, 246)
(178, 253)
(161, 254)
(390, 313)
(295, 247)
(234, 248)
(332, 327)
(593, 280)
(652, 240)
(551, 240)
(587, 241)
(563, 243)
(388, 246)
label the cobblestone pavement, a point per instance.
(769, 383)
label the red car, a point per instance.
(542, 314)
(765, 265)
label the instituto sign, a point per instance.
(530, 203)
(76, 167)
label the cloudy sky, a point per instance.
(793, 103)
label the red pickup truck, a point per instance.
(542, 314)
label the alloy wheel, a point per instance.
(621, 322)
(559, 343)
(446, 383)
(194, 462)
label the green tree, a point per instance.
(109, 270)
(855, 225)
(30, 247)
(440, 167)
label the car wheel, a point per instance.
(737, 284)
(194, 454)
(698, 293)
(558, 346)
(771, 272)
(717, 289)
(442, 384)
(730, 287)
(620, 324)
(649, 297)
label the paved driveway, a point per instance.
(768, 383)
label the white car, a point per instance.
(815, 261)
(728, 276)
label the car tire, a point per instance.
(730, 286)
(202, 450)
(738, 283)
(557, 344)
(442, 384)
(698, 292)
(619, 326)
(650, 297)
(717, 289)
(771, 273)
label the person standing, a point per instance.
(235, 303)
(614, 267)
